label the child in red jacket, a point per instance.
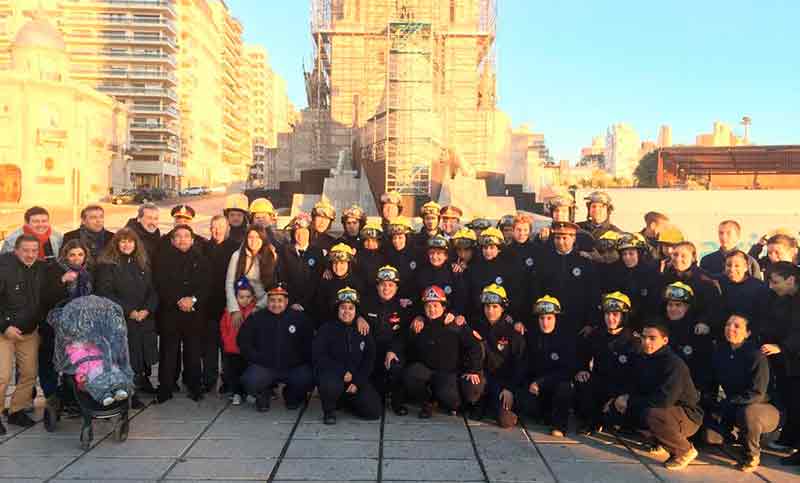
(233, 363)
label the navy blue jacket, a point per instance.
(447, 348)
(551, 358)
(505, 351)
(339, 348)
(742, 373)
(276, 341)
(612, 357)
(748, 297)
(571, 279)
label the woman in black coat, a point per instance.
(124, 276)
(182, 282)
(70, 276)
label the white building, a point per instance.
(623, 148)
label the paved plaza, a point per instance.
(212, 440)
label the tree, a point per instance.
(646, 171)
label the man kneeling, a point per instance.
(277, 346)
(664, 401)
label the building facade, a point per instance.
(623, 149)
(61, 141)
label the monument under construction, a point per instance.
(406, 87)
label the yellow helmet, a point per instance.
(431, 208)
(679, 292)
(324, 209)
(671, 235)
(347, 294)
(341, 252)
(494, 294)
(262, 205)
(400, 225)
(371, 230)
(391, 197)
(464, 238)
(631, 240)
(236, 201)
(491, 236)
(547, 305)
(607, 240)
(616, 302)
(479, 224)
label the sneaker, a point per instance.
(137, 403)
(163, 397)
(2, 429)
(19, 418)
(237, 400)
(749, 464)
(682, 461)
(330, 418)
(792, 460)
(263, 401)
(196, 395)
(400, 409)
(557, 433)
(427, 410)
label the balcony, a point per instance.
(154, 127)
(126, 74)
(105, 20)
(154, 145)
(155, 5)
(138, 92)
(150, 57)
(124, 39)
(149, 109)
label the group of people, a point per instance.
(631, 331)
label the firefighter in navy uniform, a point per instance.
(479, 224)
(504, 358)
(322, 216)
(340, 276)
(494, 266)
(560, 208)
(301, 263)
(353, 220)
(635, 275)
(388, 318)
(525, 252)
(443, 359)
(391, 208)
(343, 361)
(370, 257)
(569, 277)
(691, 340)
(235, 212)
(276, 343)
(430, 226)
(545, 390)
(605, 362)
(449, 220)
(400, 254)
(438, 271)
(464, 244)
(506, 225)
(599, 209)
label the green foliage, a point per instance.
(646, 171)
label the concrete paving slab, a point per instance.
(541, 434)
(32, 466)
(704, 473)
(596, 472)
(331, 448)
(229, 469)
(366, 431)
(248, 430)
(517, 470)
(165, 430)
(425, 432)
(412, 418)
(429, 450)
(237, 448)
(328, 469)
(102, 481)
(490, 432)
(506, 450)
(431, 470)
(278, 414)
(39, 447)
(141, 448)
(779, 474)
(182, 408)
(586, 452)
(102, 468)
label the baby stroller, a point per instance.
(91, 351)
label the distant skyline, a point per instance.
(570, 69)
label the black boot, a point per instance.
(263, 400)
(427, 410)
(329, 418)
(144, 384)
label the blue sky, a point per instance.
(571, 68)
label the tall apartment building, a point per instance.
(623, 150)
(200, 74)
(236, 142)
(260, 110)
(127, 49)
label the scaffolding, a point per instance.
(412, 79)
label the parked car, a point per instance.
(192, 191)
(204, 190)
(218, 189)
(125, 197)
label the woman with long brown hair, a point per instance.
(124, 276)
(256, 260)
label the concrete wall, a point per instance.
(697, 213)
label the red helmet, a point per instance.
(434, 293)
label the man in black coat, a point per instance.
(182, 279)
(663, 400)
(276, 343)
(92, 233)
(728, 232)
(146, 227)
(20, 313)
(343, 362)
(599, 209)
